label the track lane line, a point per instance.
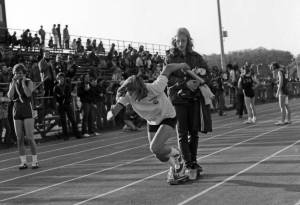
(117, 132)
(237, 174)
(98, 171)
(159, 173)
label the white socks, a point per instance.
(34, 159)
(172, 161)
(23, 159)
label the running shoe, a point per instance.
(86, 135)
(198, 167)
(23, 166)
(249, 121)
(254, 120)
(191, 173)
(35, 165)
(176, 175)
(288, 122)
(279, 123)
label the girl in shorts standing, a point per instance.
(20, 91)
(247, 83)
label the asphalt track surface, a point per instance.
(243, 164)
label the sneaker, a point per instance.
(279, 123)
(174, 178)
(86, 135)
(23, 166)
(35, 165)
(191, 173)
(288, 122)
(177, 174)
(198, 167)
(249, 121)
(254, 120)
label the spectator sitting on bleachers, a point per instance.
(13, 40)
(36, 41)
(71, 68)
(100, 48)
(59, 65)
(74, 45)
(50, 43)
(94, 45)
(24, 39)
(30, 41)
(88, 46)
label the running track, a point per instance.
(243, 164)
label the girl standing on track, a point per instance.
(185, 96)
(282, 94)
(248, 83)
(20, 91)
(150, 102)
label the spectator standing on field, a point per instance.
(66, 37)
(42, 33)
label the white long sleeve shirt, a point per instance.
(156, 106)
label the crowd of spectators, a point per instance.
(93, 79)
(92, 76)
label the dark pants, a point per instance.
(59, 40)
(88, 120)
(240, 104)
(67, 110)
(101, 115)
(48, 87)
(67, 44)
(187, 128)
(220, 101)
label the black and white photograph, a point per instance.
(161, 102)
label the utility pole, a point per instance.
(221, 38)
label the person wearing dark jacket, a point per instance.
(85, 93)
(185, 95)
(63, 95)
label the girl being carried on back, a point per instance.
(150, 102)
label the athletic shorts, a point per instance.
(286, 100)
(168, 121)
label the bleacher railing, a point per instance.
(120, 45)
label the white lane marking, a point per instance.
(83, 176)
(76, 145)
(89, 160)
(116, 132)
(66, 165)
(121, 143)
(237, 174)
(157, 174)
(82, 151)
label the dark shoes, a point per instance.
(23, 166)
(35, 165)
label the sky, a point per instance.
(273, 24)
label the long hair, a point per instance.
(133, 84)
(184, 31)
